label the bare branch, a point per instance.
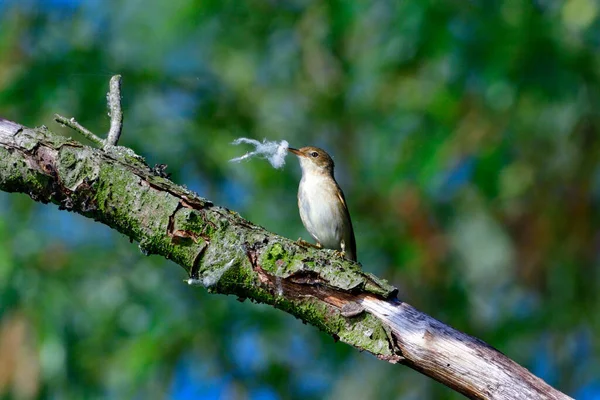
(113, 99)
(73, 124)
(116, 114)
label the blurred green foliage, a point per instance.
(466, 140)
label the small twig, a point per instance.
(113, 98)
(116, 113)
(71, 123)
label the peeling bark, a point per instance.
(229, 255)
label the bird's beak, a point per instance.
(295, 151)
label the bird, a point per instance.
(321, 202)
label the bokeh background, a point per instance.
(465, 135)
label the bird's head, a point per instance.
(313, 160)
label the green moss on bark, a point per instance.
(18, 177)
(215, 244)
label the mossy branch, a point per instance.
(227, 254)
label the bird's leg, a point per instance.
(342, 253)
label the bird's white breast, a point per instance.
(321, 211)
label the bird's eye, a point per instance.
(314, 154)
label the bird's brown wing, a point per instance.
(351, 246)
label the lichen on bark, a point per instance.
(216, 246)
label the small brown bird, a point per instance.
(322, 205)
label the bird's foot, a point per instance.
(304, 243)
(340, 254)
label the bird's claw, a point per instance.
(340, 254)
(305, 244)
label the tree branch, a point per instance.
(113, 98)
(229, 255)
(76, 126)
